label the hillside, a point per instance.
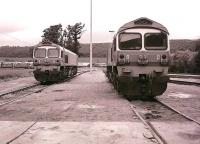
(99, 49)
(183, 45)
(16, 51)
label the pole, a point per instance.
(90, 35)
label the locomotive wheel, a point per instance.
(129, 97)
(75, 71)
(61, 76)
(109, 77)
(115, 82)
(119, 86)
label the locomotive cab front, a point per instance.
(47, 62)
(137, 63)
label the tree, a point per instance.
(53, 34)
(197, 62)
(197, 57)
(69, 42)
(76, 32)
(73, 36)
(67, 38)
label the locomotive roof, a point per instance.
(143, 23)
(48, 43)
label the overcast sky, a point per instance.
(22, 21)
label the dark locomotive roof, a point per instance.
(143, 23)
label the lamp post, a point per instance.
(111, 34)
(90, 35)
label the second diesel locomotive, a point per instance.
(53, 63)
(137, 62)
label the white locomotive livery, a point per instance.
(53, 63)
(137, 62)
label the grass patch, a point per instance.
(7, 74)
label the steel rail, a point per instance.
(184, 82)
(153, 131)
(184, 76)
(15, 99)
(19, 89)
(171, 108)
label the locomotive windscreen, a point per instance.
(40, 53)
(155, 41)
(53, 53)
(130, 41)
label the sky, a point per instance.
(22, 21)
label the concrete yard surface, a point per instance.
(11, 129)
(77, 133)
(178, 133)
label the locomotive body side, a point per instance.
(137, 62)
(53, 63)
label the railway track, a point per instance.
(184, 76)
(153, 131)
(14, 95)
(18, 89)
(156, 111)
(185, 79)
(184, 82)
(178, 112)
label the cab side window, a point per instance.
(113, 48)
(61, 54)
(114, 44)
(66, 58)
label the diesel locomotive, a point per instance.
(53, 63)
(137, 62)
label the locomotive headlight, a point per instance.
(164, 60)
(121, 56)
(164, 56)
(121, 59)
(127, 59)
(58, 62)
(36, 62)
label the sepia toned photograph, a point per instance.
(99, 72)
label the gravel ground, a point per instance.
(91, 98)
(184, 98)
(154, 111)
(88, 97)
